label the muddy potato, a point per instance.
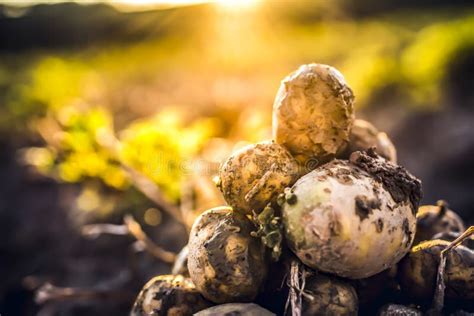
(235, 309)
(313, 113)
(255, 175)
(364, 136)
(352, 218)
(398, 310)
(327, 295)
(435, 219)
(417, 271)
(225, 263)
(169, 295)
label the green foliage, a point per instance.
(83, 146)
(163, 148)
(86, 147)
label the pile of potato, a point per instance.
(320, 221)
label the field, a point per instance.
(105, 112)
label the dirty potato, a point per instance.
(364, 136)
(255, 175)
(225, 263)
(352, 218)
(435, 219)
(313, 113)
(327, 295)
(417, 271)
(169, 295)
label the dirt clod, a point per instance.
(395, 179)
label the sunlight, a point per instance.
(140, 5)
(237, 5)
(132, 5)
(227, 5)
(159, 2)
(126, 5)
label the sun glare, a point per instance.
(227, 5)
(161, 2)
(237, 4)
(132, 5)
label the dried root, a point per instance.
(133, 228)
(438, 300)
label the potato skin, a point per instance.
(363, 136)
(348, 222)
(433, 219)
(255, 175)
(417, 271)
(169, 295)
(225, 263)
(313, 113)
(331, 296)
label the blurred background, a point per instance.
(110, 108)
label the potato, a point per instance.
(255, 175)
(398, 310)
(435, 219)
(417, 271)
(327, 295)
(225, 263)
(364, 136)
(352, 218)
(169, 295)
(235, 309)
(313, 113)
